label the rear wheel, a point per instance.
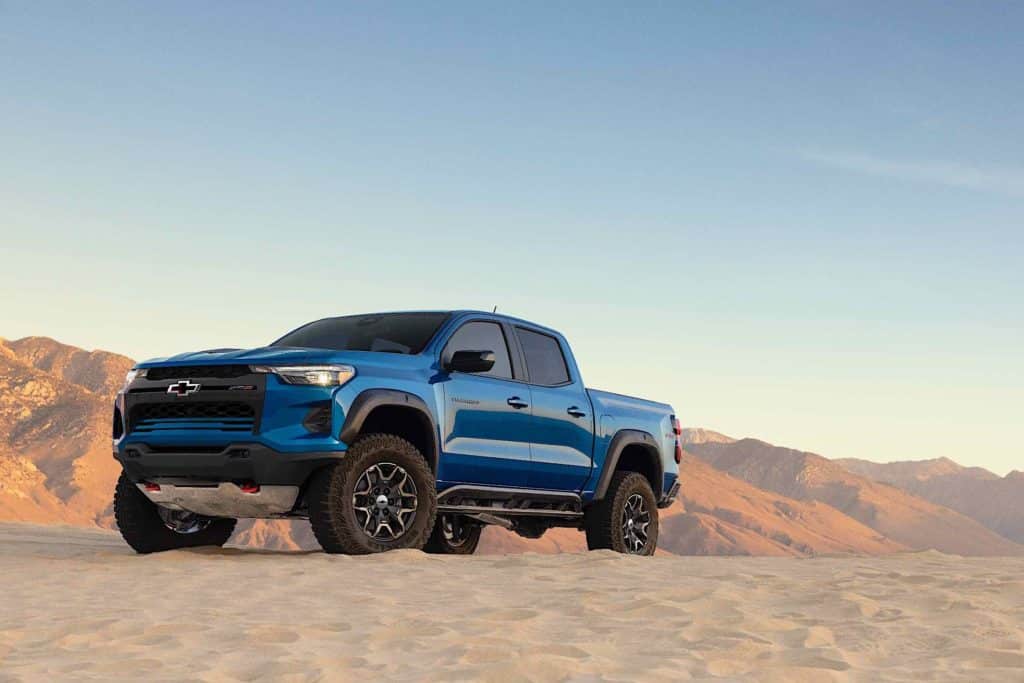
(454, 535)
(626, 519)
(381, 496)
(149, 528)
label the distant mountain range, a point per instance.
(739, 497)
(898, 514)
(997, 502)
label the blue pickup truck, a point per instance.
(390, 430)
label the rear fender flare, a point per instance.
(622, 439)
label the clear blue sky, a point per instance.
(802, 222)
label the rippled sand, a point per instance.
(78, 604)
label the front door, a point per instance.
(486, 424)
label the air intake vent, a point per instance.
(318, 419)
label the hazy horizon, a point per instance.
(799, 223)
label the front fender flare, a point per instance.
(367, 401)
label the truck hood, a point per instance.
(268, 355)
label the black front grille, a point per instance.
(198, 371)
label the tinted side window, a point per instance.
(481, 336)
(544, 359)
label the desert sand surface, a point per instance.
(77, 604)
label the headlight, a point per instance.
(132, 374)
(313, 375)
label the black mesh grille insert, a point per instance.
(194, 371)
(223, 415)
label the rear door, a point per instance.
(562, 433)
(487, 416)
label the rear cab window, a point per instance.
(545, 361)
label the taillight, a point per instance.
(679, 452)
(676, 427)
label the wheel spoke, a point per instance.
(386, 494)
(636, 519)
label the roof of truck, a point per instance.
(507, 317)
(463, 312)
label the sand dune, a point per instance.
(78, 603)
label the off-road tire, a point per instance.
(440, 544)
(141, 527)
(329, 495)
(603, 520)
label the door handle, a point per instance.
(518, 403)
(576, 412)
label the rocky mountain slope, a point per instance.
(997, 502)
(717, 514)
(901, 516)
(55, 431)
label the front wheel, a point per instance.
(380, 496)
(626, 519)
(454, 535)
(149, 528)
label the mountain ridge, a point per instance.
(899, 515)
(997, 502)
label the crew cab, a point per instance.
(390, 430)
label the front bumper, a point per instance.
(235, 462)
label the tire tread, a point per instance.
(326, 498)
(141, 527)
(601, 519)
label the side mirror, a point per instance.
(470, 361)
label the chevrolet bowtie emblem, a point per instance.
(183, 388)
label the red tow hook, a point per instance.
(150, 486)
(249, 487)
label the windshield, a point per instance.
(388, 332)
